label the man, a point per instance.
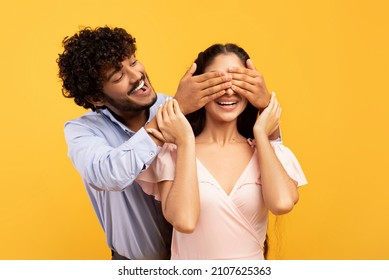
(109, 145)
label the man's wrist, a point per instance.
(268, 102)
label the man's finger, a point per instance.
(210, 97)
(212, 76)
(249, 71)
(239, 70)
(214, 85)
(250, 64)
(242, 91)
(191, 70)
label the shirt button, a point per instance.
(151, 154)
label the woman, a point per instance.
(218, 182)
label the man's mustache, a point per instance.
(136, 84)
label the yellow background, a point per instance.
(327, 61)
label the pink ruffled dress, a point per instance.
(230, 226)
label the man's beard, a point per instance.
(129, 106)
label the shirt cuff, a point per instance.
(146, 149)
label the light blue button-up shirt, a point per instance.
(109, 157)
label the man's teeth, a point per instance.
(141, 84)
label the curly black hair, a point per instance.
(87, 54)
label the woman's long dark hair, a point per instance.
(248, 117)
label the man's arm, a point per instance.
(103, 166)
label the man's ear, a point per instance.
(96, 101)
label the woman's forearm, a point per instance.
(279, 190)
(182, 204)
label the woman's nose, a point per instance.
(229, 91)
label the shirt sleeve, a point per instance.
(161, 169)
(289, 162)
(102, 166)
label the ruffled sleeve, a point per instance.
(289, 161)
(161, 169)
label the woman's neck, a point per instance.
(221, 134)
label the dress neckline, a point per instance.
(237, 181)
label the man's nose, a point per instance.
(134, 75)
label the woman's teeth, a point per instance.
(226, 103)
